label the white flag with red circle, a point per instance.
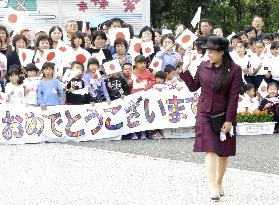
(63, 47)
(100, 56)
(112, 66)
(95, 76)
(115, 33)
(137, 84)
(81, 55)
(69, 75)
(25, 56)
(186, 39)
(156, 64)
(12, 18)
(263, 89)
(50, 55)
(147, 48)
(135, 47)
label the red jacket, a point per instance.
(226, 100)
(142, 76)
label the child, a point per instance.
(13, 88)
(167, 54)
(242, 59)
(97, 88)
(117, 86)
(145, 76)
(172, 79)
(50, 90)
(248, 102)
(272, 61)
(270, 103)
(127, 71)
(31, 84)
(121, 45)
(76, 84)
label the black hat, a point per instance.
(31, 67)
(201, 41)
(217, 43)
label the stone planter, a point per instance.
(264, 128)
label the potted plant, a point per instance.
(255, 123)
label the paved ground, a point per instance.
(140, 172)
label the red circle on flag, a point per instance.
(12, 18)
(137, 47)
(80, 58)
(63, 49)
(38, 60)
(50, 56)
(111, 66)
(240, 99)
(138, 81)
(155, 64)
(23, 56)
(194, 58)
(147, 50)
(186, 38)
(263, 89)
(120, 35)
(95, 76)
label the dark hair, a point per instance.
(7, 40)
(75, 63)
(48, 65)
(206, 21)
(101, 26)
(120, 41)
(169, 68)
(276, 35)
(161, 74)
(157, 30)
(18, 37)
(272, 84)
(246, 87)
(241, 33)
(235, 37)
(274, 45)
(251, 29)
(200, 42)
(31, 67)
(131, 29)
(140, 59)
(226, 64)
(95, 34)
(147, 28)
(53, 29)
(42, 38)
(87, 35)
(13, 70)
(268, 36)
(127, 64)
(261, 42)
(218, 26)
(116, 20)
(78, 34)
(93, 61)
(244, 44)
(169, 35)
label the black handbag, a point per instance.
(217, 121)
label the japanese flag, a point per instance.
(135, 46)
(50, 55)
(115, 33)
(69, 75)
(156, 64)
(196, 18)
(81, 56)
(100, 56)
(12, 18)
(186, 39)
(137, 84)
(263, 89)
(25, 56)
(63, 47)
(96, 76)
(112, 67)
(39, 60)
(3, 98)
(147, 48)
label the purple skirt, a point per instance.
(207, 140)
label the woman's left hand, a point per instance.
(226, 127)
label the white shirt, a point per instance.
(32, 84)
(14, 93)
(243, 62)
(274, 67)
(246, 102)
(255, 63)
(3, 62)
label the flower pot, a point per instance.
(263, 128)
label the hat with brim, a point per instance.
(217, 43)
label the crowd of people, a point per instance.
(254, 51)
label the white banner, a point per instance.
(146, 110)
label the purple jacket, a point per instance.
(226, 100)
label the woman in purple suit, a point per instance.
(220, 81)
